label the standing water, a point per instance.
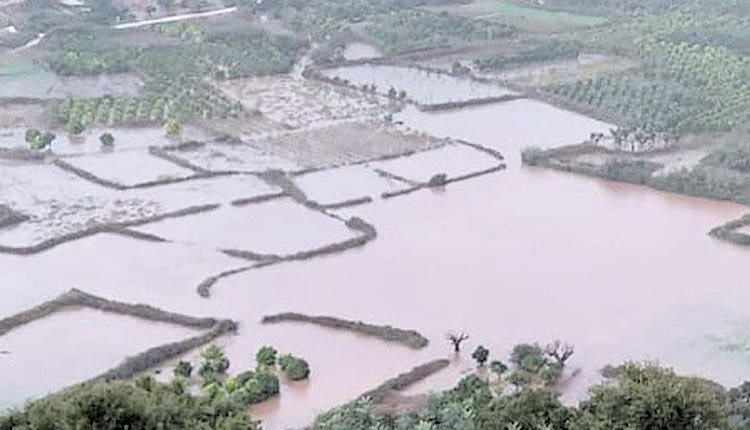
(622, 272)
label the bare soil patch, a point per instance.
(345, 143)
(296, 103)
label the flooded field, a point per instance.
(620, 271)
(422, 87)
(57, 344)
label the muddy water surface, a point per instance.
(622, 272)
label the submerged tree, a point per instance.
(456, 340)
(107, 140)
(561, 352)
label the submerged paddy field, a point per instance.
(351, 182)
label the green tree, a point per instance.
(38, 140)
(107, 140)
(183, 369)
(519, 379)
(481, 354)
(214, 365)
(266, 356)
(651, 397)
(498, 367)
(295, 368)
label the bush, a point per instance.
(107, 139)
(295, 368)
(183, 369)
(38, 140)
(172, 127)
(215, 364)
(266, 356)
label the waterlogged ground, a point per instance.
(58, 344)
(622, 272)
(421, 86)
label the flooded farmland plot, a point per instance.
(231, 156)
(420, 86)
(454, 160)
(74, 345)
(346, 184)
(128, 169)
(277, 227)
(59, 205)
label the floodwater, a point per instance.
(421, 86)
(57, 344)
(526, 254)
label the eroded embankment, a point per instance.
(142, 361)
(404, 380)
(729, 231)
(410, 338)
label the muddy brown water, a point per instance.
(620, 271)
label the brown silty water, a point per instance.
(622, 272)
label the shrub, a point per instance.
(295, 368)
(215, 363)
(498, 367)
(519, 379)
(172, 127)
(107, 139)
(266, 356)
(183, 369)
(438, 180)
(38, 140)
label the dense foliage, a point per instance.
(142, 404)
(642, 397)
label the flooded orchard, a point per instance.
(519, 255)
